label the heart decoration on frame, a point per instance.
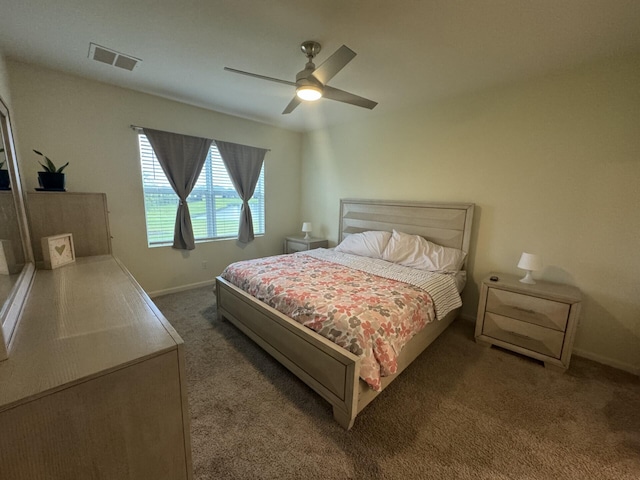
(58, 250)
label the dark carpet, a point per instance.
(460, 411)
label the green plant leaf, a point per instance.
(47, 167)
(50, 166)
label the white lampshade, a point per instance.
(531, 263)
(306, 228)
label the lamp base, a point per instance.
(528, 278)
(307, 236)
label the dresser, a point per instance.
(95, 384)
(301, 244)
(538, 320)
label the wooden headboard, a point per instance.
(447, 224)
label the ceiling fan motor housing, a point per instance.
(305, 77)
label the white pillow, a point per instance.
(366, 244)
(417, 252)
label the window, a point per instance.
(214, 204)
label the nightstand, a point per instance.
(537, 320)
(300, 244)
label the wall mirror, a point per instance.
(16, 257)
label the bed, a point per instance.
(332, 371)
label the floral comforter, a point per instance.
(371, 316)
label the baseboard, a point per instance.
(607, 361)
(182, 288)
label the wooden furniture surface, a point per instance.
(94, 387)
(447, 224)
(85, 215)
(300, 244)
(538, 320)
(333, 372)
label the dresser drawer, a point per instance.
(538, 311)
(526, 335)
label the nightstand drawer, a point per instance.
(526, 335)
(293, 247)
(539, 311)
(299, 244)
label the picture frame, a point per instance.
(58, 250)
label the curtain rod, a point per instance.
(138, 128)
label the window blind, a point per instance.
(214, 204)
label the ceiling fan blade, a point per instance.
(295, 101)
(346, 97)
(262, 77)
(332, 65)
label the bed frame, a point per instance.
(330, 370)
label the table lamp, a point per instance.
(531, 263)
(306, 228)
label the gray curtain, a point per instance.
(181, 158)
(243, 164)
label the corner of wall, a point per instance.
(5, 91)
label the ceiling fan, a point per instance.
(311, 83)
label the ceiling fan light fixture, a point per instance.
(309, 93)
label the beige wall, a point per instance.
(4, 81)
(553, 166)
(87, 123)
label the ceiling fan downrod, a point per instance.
(304, 79)
(310, 49)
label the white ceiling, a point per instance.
(409, 51)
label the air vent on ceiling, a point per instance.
(111, 57)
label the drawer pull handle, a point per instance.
(520, 335)
(525, 310)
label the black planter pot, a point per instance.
(5, 184)
(51, 180)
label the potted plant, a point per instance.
(51, 178)
(5, 184)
